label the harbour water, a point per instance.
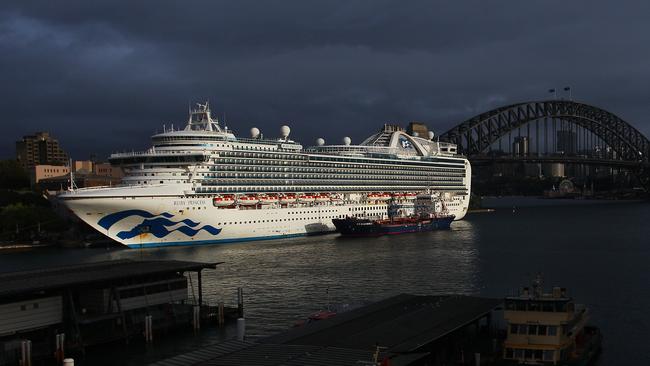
(600, 251)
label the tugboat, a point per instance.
(548, 329)
(429, 213)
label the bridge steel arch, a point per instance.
(477, 134)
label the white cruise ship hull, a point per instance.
(143, 222)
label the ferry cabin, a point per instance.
(543, 328)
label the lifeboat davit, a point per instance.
(410, 195)
(305, 198)
(287, 198)
(323, 197)
(226, 200)
(268, 199)
(248, 200)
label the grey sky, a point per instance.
(102, 76)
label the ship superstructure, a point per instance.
(202, 184)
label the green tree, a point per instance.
(12, 175)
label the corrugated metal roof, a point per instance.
(205, 354)
(15, 283)
(403, 323)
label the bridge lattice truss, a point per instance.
(476, 135)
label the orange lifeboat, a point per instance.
(373, 196)
(384, 197)
(305, 198)
(268, 199)
(335, 198)
(248, 200)
(323, 197)
(410, 195)
(287, 198)
(225, 200)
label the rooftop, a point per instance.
(404, 324)
(53, 278)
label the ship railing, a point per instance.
(157, 153)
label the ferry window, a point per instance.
(519, 353)
(528, 353)
(532, 329)
(523, 329)
(552, 330)
(548, 355)
(541, 330)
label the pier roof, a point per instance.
(405, 327)
(55, 278)
(403, 323)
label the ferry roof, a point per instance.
(55, 278)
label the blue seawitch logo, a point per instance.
(157, 225)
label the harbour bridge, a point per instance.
(553, 132)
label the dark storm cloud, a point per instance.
(103, 75)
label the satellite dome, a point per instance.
(285, 131)
(255, 132)
(320, 141)
(347, 140)
(415, 134)
(431, 135)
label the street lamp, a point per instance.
(554, 93)
(568, 88)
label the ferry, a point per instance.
(548, 329)
(203, 184)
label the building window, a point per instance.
(552, 330)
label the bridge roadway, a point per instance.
(482, 160)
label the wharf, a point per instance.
(52, 310)
(401, 330)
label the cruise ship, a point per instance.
(202, 184)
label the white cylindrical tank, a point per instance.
(347, 141)
(320, 141)
(431, 135)
(255, 132)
